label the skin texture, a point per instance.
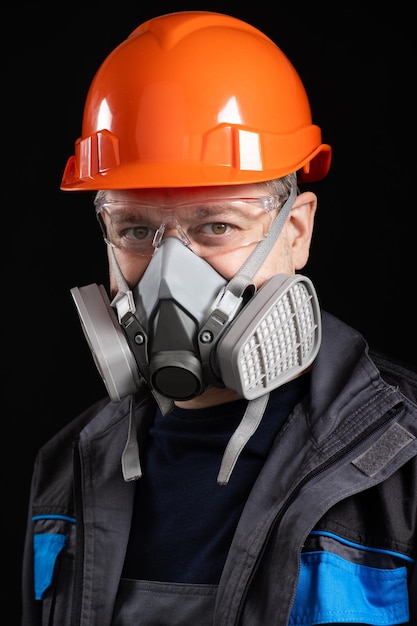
(290, 252)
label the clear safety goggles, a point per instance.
(207, 227)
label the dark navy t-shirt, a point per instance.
(184, 521)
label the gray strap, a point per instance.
(248, 270)
(123, 301)
(231, 301)
(247, 427)
(130, 456)
(256, 408)
(165, 404)
(120, 279)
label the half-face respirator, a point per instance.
(184, 327)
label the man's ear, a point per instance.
(300, 227)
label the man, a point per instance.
(254, 464)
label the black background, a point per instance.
(357, 64)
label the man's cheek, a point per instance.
(132, 268)
(229, 263)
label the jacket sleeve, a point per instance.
(51, 517)
(31, 610)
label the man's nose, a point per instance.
(173, 229)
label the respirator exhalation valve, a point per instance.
(176, 375)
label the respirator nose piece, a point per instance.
(176, 375)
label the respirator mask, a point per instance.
(184, 328)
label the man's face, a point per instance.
(289, 253)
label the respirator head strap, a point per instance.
(123, 300)
(252, 264)
(236, 286)
(131, 467)
(247, 427)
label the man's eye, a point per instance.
(137, 233)
(216, 228)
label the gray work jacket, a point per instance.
(338, 489)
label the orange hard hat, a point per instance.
(195, 98)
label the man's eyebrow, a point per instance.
(224, 209)
(207, 211)
(123, 215)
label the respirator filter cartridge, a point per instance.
(274, 338)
